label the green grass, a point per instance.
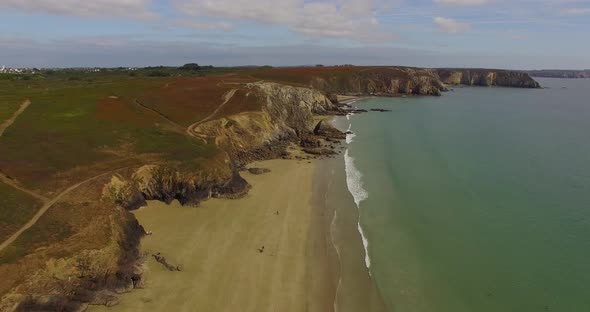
(16, 208)
(61, 131)
(50, 229)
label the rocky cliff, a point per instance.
(382, 81)
(487, 77)
(286, 116)
(74, 274)
(560, 73)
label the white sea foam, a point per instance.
(366, 245)
(355, 187)
(348, 116)
(349, 136)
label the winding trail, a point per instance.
(4, 178)
(138, 103)
(7, 180)
(48, 205)
(227, 97)
(8, 122)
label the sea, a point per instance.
(478, 200)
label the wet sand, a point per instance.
(216, 245)
(356, 290)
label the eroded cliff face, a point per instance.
(386, 81)
(487, 77)
(286, 116)
(91, 276)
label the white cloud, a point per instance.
(576, 11)
(204, 25)
(90, 8)
(450, 25)
(462, 2)
(347, 19)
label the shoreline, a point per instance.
(313, 258)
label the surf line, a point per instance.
(355, 187)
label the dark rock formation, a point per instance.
(309, 141)
(162, 260)
(381, 110)
(325, 129)
(258, 171)
(487, 77)
(320, 151)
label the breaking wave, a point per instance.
(355, 187)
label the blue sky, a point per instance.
(521, 34)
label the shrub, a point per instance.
(158, 73)
(190, 66)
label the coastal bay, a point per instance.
(218, 248)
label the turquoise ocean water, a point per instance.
(478, 200)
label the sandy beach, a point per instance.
(217, 246)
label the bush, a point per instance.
(190, 66)
(158, 73)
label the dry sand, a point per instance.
(216, 245)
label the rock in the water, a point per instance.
(380, 110)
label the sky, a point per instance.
(512, 34)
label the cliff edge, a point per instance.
(487, 78)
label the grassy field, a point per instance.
(16, 208)
(80, 125)
(77, 124)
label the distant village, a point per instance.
(8, 70)
(15, 70)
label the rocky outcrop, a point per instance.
(258, 171)
(169, 182)
(123, 193)
(383, 81)
(325, 129)
(286, 116)
(487, 77)
(90, 277)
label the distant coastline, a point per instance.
(560, 73)
(248, 115)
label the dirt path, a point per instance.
(226, 98)
(48, 205)
(172, 122)
(7, 180)
(4, 178)
(7, 123)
